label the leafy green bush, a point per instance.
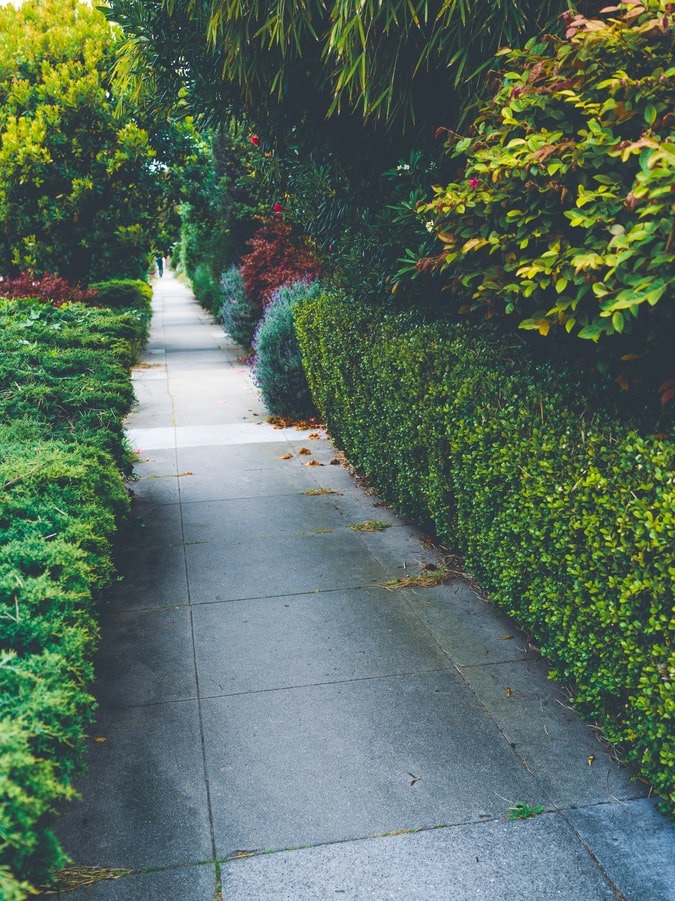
(206, 288)
(278, 368)
(562, 507)
(124, 293)
(563, 216)
(239, 315)
(79, 184)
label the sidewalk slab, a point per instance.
(231, 569)
(343, 760)
(230, 473)
(143, 800)
(530, 860)
(156, 478)
(358, 634)
(470, 630)
(569, 759)
(253, 517)
(635, 845)
(147, 658)
(152, 569)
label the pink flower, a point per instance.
(255, 140)
(473, 183)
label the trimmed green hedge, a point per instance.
(64, 389)
(564, 512)
(124, 293)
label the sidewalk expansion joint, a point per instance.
(322, 684)
(243, 854)
(294, 594)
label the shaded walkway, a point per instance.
(261, 690)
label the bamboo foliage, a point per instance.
(365, 56)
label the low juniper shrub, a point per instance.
(64, 390)
(279, 370)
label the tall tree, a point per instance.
(79, 181)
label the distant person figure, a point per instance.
(160, 266)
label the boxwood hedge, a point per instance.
(561, 506)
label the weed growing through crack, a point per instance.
(523, 811)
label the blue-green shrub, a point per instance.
(278, 368)
(561, 507)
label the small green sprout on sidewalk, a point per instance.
(522, 811)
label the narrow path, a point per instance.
(262, 690)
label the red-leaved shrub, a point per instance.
(277, 258)
(48, 288)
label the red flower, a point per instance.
(255, 140)
(278, 210)
(473, 183)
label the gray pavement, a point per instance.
(276, 722)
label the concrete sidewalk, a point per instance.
(277, 723)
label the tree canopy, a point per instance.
(407, 64)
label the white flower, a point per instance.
(429, 226)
